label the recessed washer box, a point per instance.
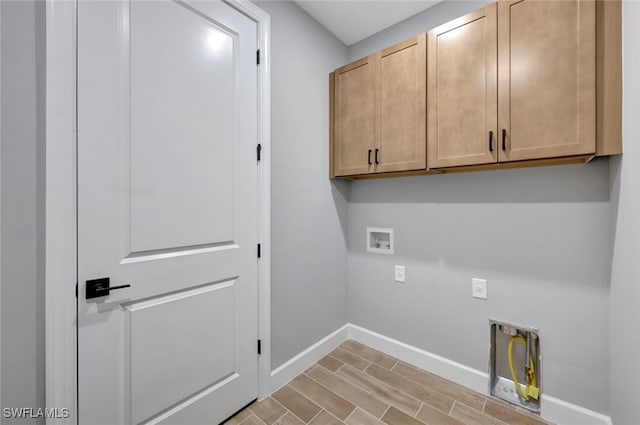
(515, 364)
(380, 240)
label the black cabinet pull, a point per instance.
(491, 141)
(377, 156)
(369, 157)
(504, 139)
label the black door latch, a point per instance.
(100, 288)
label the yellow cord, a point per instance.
(532, 389)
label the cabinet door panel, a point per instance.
(354, 119)
(402, 120)
(462, 79)
(547, 81)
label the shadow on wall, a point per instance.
(615, 168)
(549, 223)
(340, 193)
(562, 183)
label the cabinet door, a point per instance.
(402, 114)
(354, 117)
(462, 81)
(547, 80)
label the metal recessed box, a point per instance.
(515, 365)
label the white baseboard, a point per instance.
(448, 369)
(553, 409)
(562, 412)
(301, 362)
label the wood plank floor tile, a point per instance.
(310, 368)
(330, 363)
(470, 416)
(386, 393)
(288, 419)
(448, 388)
(324, 397)
(296, 403)
(510, 415)
(349, 358)
(415, 390)
(268, 410)
(357, 385)
(397, 417)
(325, 418)
(355, 394)
(239, 417)
(431, 416)
(360, 417)
(252, 420)
(370, 354)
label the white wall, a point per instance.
(22, 261)
(625, 206)
(421, 22)
(539, 236)
(309, 212)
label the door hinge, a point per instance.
(76, 289)
(258, 57)
(259, 251)
(258, 151)
(259, 347)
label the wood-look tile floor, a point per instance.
(357, 385)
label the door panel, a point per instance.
(185, 338)
(355, 112)
(167, 203)
(403, 97)
(547, 78)
(462, 80)
(174, 159)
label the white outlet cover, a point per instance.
(400, 274)
(479, 288)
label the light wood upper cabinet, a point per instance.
(517, 83)
(403, 96)
(547, 78)
(354, 116)
(379, 112)
(462, 86)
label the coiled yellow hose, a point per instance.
(532, 389)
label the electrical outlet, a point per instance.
(400, 274)
(479, 288)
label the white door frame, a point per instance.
(61, 203)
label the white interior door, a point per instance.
(167, 203)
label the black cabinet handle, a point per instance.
(100, 288)
(369, 157)
(504, 139)
(377, 156)
(491, 141)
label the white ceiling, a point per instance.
(354, 20)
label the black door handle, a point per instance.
(100, 288)
(504, 139)
(369, 157)
(377, 156)
(491, 141)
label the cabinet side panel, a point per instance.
(609, 74)
(332, 172)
